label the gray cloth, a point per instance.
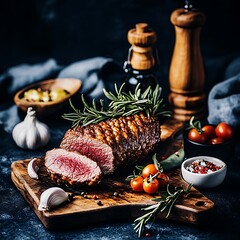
(87, 70)
(224, 102)
(96, 73)
(224, 96)
(99, 72)
(20, 76)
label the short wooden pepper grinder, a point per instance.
(140, 64)
(186, 74)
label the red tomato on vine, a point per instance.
(163, 180)
(209, 131)
(196, 136)
(150, 185)
(217, 140)
(150, 169)
(137, 184)
(209, 134)
(224, 130)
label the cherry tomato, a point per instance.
(163, 180)
(150, 169)
(216, 140)
(223, 130)
(195, 136)
(150, 186)
(209, 131)
(137, 184)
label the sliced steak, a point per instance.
(72, 168)
(115, 142)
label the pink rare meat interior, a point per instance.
(72, 168)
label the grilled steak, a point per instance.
(72, 168)
(115, 142)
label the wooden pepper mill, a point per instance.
(141, 61)
(186, 74)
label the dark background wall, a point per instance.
(70, 30)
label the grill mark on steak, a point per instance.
(72, 168)
(115, 142)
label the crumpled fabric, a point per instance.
(224, 97)
(224, 102)
(95, 73)
(22, 75)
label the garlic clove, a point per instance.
(33, 168)
(51, 198)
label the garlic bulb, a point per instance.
(31, 133)
(33, 168)
(51, 198)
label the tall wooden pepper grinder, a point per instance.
(186, 74)
(140, 64)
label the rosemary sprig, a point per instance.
(164, 203)
(121, 104)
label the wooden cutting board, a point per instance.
(117, 200)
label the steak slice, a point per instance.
(115, 142)
(99, 152)
(72, 168)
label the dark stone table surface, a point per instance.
(69, 31)
(19, 222)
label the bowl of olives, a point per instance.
(47, 97)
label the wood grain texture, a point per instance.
(186, 73)
(142, 39)
(170, 128)
(126, 204)
(118, 202)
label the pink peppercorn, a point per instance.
(203, 167)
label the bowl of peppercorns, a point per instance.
(204, 171)
(209, 140)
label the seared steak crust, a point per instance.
(115, 142)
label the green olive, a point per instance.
(58, 94)
(45, 96)
(39, 95)
(33, 95)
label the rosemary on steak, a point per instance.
(121, 104)
(164, 203)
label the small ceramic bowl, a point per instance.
(223, 151)
(207, 180)
(72, 86)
